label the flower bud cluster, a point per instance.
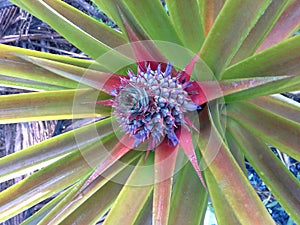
(151, 105)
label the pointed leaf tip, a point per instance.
(125, 144)
(108, 102)
(187, 71)
(143, 47)
(186, 143)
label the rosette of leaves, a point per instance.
(244, 54)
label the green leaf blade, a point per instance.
(99, 31)
(276, 84)
(223, 211)
(260, 30)
(66, 28)
(189, 198)
(52, 105)
(157, 25)
(272, 128)
(134, 195)
(228, 32)
(280, 105)
(286, 26)
(283, 185)
(210, 9)
(282, 59)
(43, 153)
(235, 186)
(185, 16)
(15, 67)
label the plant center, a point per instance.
(151, 105)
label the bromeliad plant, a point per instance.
(213, 108)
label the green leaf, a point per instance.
(110, 10)
(145, 217)
(236, 152)
(260, 30)
(51, 105)
(75, 203)
(201, 72)
(276, 85)
(280, 105)
(38, 216)
(46, 152)
(143, 48)
(283, 185)
(80, 208)
(29, 85)
(272, 128)
(185, 16)
(286, 26)
(237, 89)
(13, 66)
(102, 81)
(53, 178)
(291, 88)
(99, 31)
(93, 209)
(65, 27)
(281, 59)
(231, 27)
(210, 9)
(223, 211)
(121, 148)
(233, 183)
(189, 198)
(11, 52)
(157, 25)
(134, 195)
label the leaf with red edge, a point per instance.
(282, 59)
(223, 211)
(102, 81)
(277, 86)
(134, 196)
(280, 105)
(153, 19)
(165, 160)
(187, 71)
(100, 31)
(189, 198)
(125, 144)
(260, 30)
(210, 90)
(287, 24)
(230, 179)
(186, 143)
(186, 18)
(144, 49)
(231, 27)
(73, 33)
(107, 102)
(272, 128)
(285, 187)
(210, 10)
